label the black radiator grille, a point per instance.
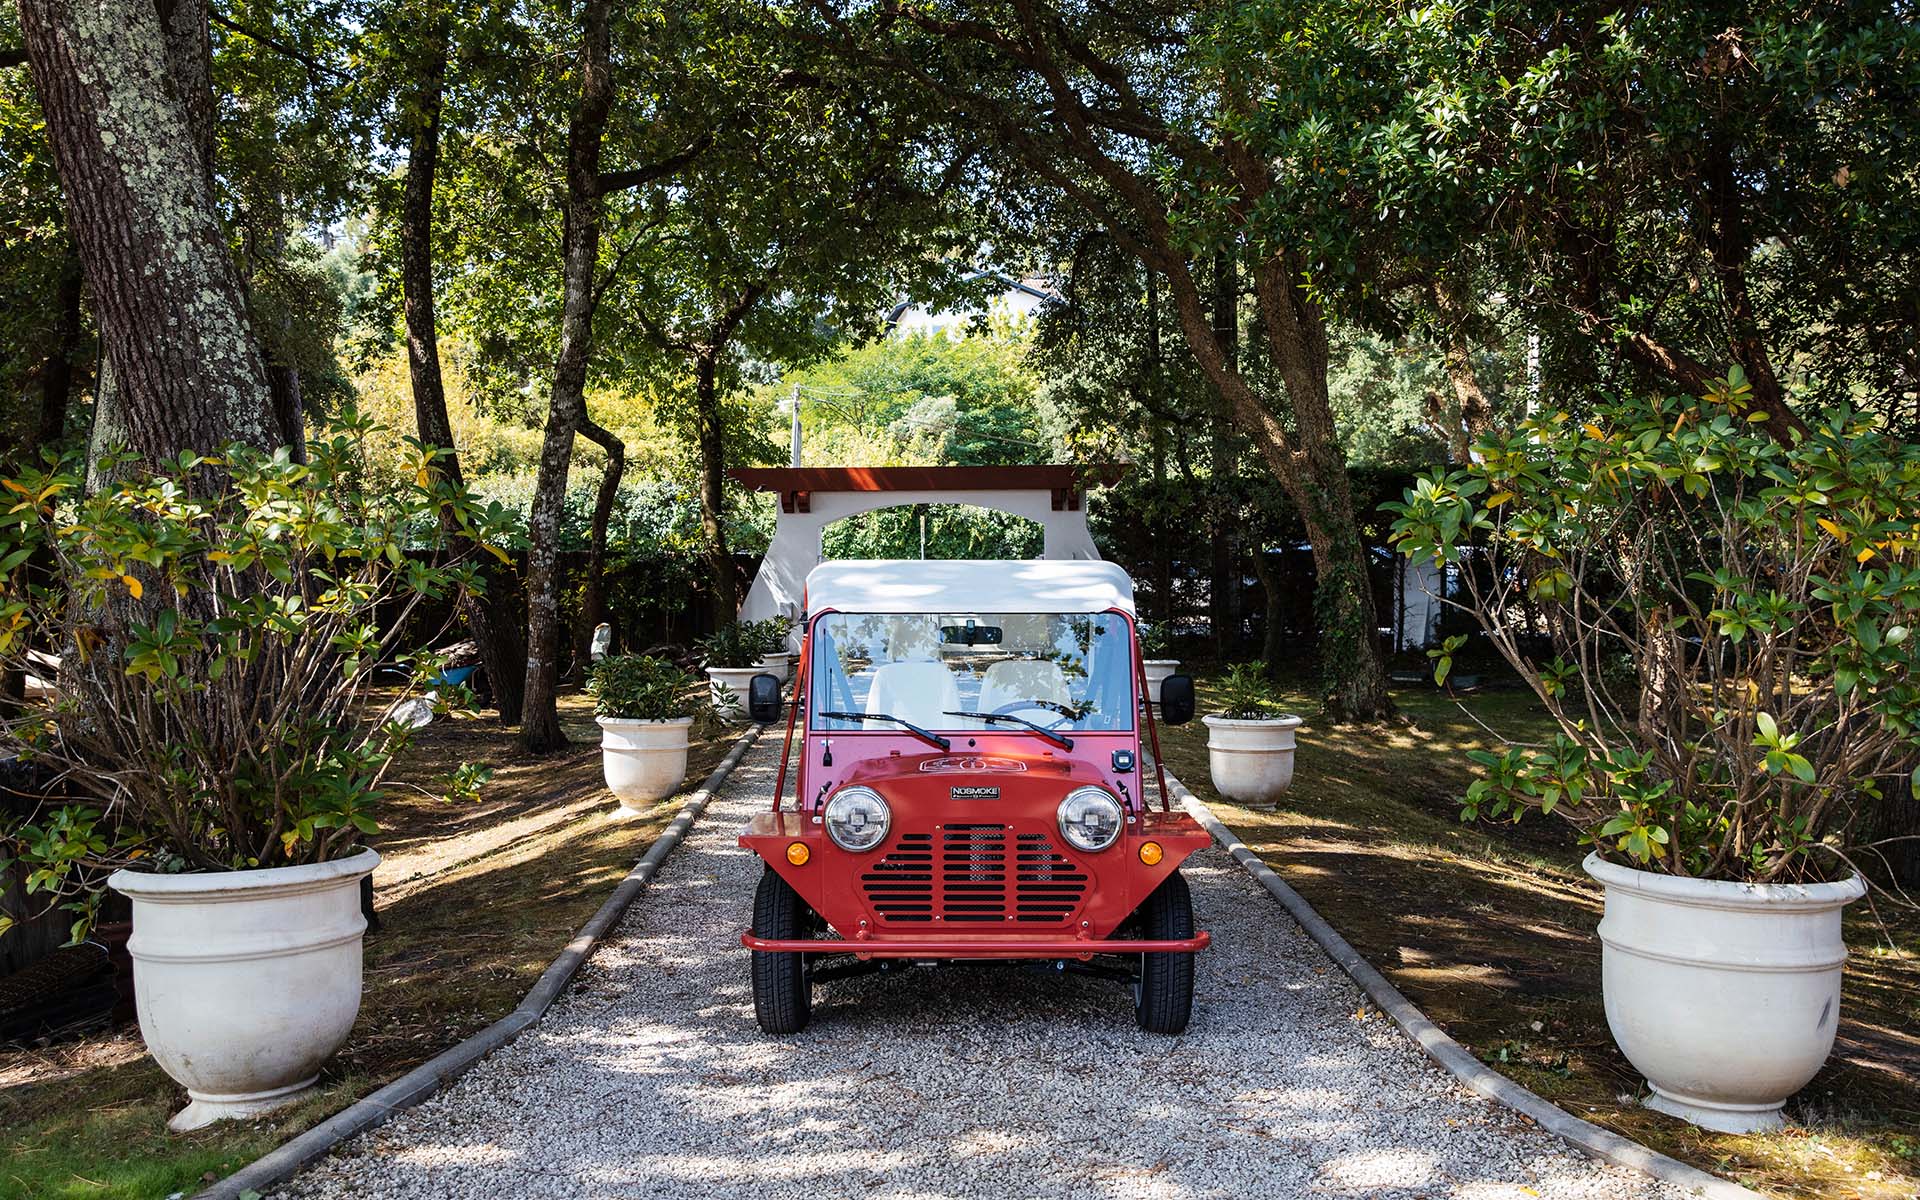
(974, 874)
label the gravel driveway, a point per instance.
(651, 1078)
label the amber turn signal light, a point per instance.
(1151, 853)
(798, 854)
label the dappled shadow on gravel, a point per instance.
(651, 1078)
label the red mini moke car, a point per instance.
(968, 785)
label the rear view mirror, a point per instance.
(763, 699)
(970, 634)
(1176, 699)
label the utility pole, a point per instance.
(1533, 370)
(796, 425)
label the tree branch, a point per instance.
(730, 319)
(278, 46)
(658, 334)
(618, 181)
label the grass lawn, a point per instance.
(1489, 929)
(475, 901)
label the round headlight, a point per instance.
(1090, 818)
(857, 818)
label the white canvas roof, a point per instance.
(912, 585)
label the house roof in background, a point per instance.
(795, 485)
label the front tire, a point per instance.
(1163, 995)
(782, 984)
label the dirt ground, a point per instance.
(1489, 929)
(474, 900)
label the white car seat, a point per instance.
(1023, 679)
(920, 692)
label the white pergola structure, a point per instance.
(812, 498)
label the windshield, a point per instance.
(1065, 672)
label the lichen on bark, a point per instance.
(187, 366)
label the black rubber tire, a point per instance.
(1163, 995)
(782, 982)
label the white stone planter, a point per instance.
(780, 666)
(1724, 995)
(246, 981)
(738, 680)
(1157, 670)
(1251, 761)
(643, 761)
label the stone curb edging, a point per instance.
(280, 1164)
(1456, 1059)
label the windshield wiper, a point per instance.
(930, 738)
(1059, 739)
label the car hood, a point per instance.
(960, 766)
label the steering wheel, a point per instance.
(1063, 714)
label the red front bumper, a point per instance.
(974, 883)
(894, 947)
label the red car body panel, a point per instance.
(973, 865)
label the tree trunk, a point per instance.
(1730, 254)
(567, 406)
(1273, 642)
(1225, 606)
(592, 596)
(57, 373)
(283, 376)
(1163, 539)
(493, 619)
(289, 410)
(1471, 412)
(1131, 205)
(188, 373)
(189, 36)
(1353, 670)
(710, 433)
(1311, 468)
(1896, 816)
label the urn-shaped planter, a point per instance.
(1251, 760)
(1724, 995)
(643, 761)
(780, 666)
(730, 689)
(246, 981)
(1158, 669)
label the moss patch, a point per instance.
(1489, 929)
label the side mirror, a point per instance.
(1176, 700)
(763, 699)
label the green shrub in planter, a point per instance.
(771, 634)
(738, 645)
(1762, 598)
(1246, 694)
(221, 625)
(637, 687)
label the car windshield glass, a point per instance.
(1066, 672)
